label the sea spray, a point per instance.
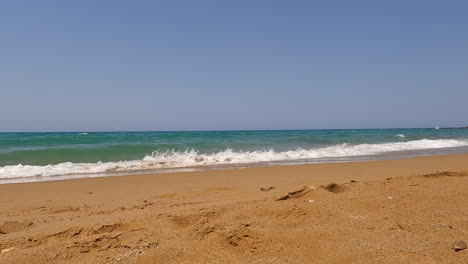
(193, 158)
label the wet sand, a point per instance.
(393, 211)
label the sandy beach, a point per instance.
(392, 211)
(222, 132)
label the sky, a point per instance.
(222, 65)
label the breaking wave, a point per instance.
(192, 158)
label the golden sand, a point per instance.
(393, 211)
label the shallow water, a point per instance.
(43, 156)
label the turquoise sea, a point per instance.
(47, 156)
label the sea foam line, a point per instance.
(191, 158)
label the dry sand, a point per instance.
(394, 211)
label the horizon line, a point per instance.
(226, 130)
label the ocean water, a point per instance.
(47, 156)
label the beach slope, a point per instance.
(392, 211)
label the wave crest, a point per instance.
(191, 158)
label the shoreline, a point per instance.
(386, 211)
(235, 166)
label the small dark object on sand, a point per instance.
(267, 189)
(334, 188)
(400, 226)
(459, 245)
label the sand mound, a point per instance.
(334, 188)
(14, 226)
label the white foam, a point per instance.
(400, 136)
(191, 158)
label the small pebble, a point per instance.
(7, 250)
(457, 245)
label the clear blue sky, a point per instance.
(203, 65)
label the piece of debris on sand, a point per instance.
(296, 194)
(267, 189)
(459, 245)
(7, 250)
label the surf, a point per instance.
(193, 158)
